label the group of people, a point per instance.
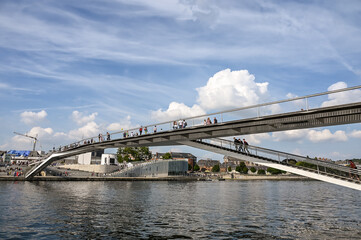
(181, 124)
(209, 121)
(241, 146)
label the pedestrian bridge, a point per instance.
(297, 113)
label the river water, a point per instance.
(179, 210)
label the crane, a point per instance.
(25, 135)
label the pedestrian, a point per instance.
(180, 124)
(209, 122)
(245, 146)
(155, 129)
(353, 166)
(241, 145)
(236, 143)
(215, 120)
(145, 130)
(99, 136)
(205, 122)
(140, 130)
(175, 125)
(108, 136)
(184, 123)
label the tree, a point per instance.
(216, 168)
(229, 169)
(242, 168)
(274, 171)
(261, 172)
(167, 156)
(137, 153)
(189, 167)
(196, 167)
(253, 169)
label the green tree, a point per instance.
(261, 172)
(167, 156)
(253, 169)
(274, 171)
(216, 168)
(244, 170)
(137, 153)
(196, 167)
(229, 169)
(189, 167)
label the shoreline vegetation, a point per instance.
(175, 178)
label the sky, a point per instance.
(73, 69)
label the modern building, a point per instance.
(91, 158)
(192, 160)
(109, 159)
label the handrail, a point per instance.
(257, 150)
(80, 142)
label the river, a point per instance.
(179, 210)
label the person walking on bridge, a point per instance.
(241, 145)
(236, 143)
(245, 146)
(140, 130)
(108, 136)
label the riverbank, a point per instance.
(175, 178)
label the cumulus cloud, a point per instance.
(311, 135)
(121, 125)
(255, 139)
(355, 134)
(91, 129)
(42, 134)
(81, 119)
(226, 89)
(326, 135)
(291, 135)
(231, 89)
(33, 117)
(177, 111)
(341, 97)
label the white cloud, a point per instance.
(42, 134)
(255, 139)
(80, 119)
(231, 89)
(311, 135)
(121, 125)
(293, 135)
(33, 117)
(355, 134)
(326, 135)
(341, 97)
(226, 89)
(177, 111)
(91, 129)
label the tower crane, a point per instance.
(25, 135)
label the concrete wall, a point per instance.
(91, 168)
(85, 158)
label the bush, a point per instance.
(167, 156)
(238, 168)
(244, 170)
(274, 171)
(253, 169)
(306, 165)
(216, 168)
(229, 169)
(261, 172)
(196, 167)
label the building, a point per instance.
(109, 159)
(90, 157)
(192, 160)
(207, 164)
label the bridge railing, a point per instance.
(287, 158)
(302, 104)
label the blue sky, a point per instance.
(70, 69)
